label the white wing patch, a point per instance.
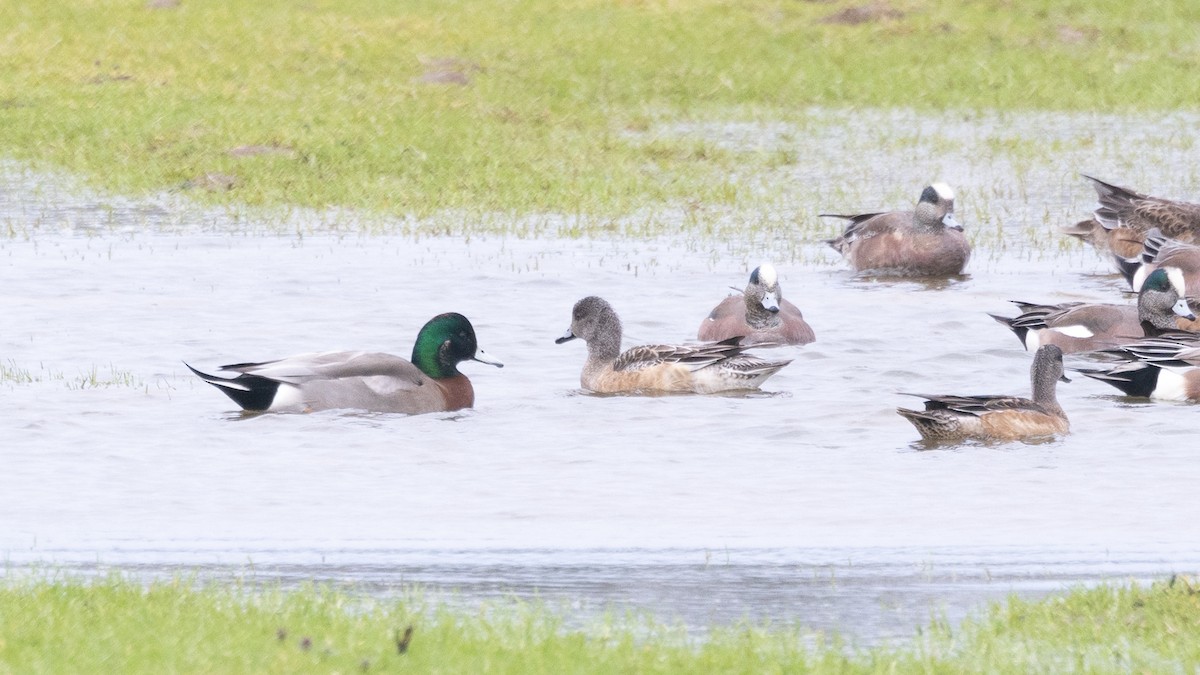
(386, 385)
(1075, 331)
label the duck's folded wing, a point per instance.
(861, 225)
(1085, 320)
(694, 357)
(387, 370)
(976, 405)
(1176, 219)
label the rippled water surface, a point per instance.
(811, 501)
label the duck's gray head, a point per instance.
(935, 209)
(1048, 361)
(763, 293)
(592, 320)
(1162, 298)
(1045, 373)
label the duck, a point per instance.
(998, 418)
(1124, 216)
(1080, 327)
(369, 381)
(760, 315)
(1180, 259)
(927, 241)
(703, 369)
(1165, 369)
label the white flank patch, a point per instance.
(943, 190)
(288, 397)
(766, 274)
(1031, 341)
(1074, 331)
(1172, 385)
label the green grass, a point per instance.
(559, 96)
(93, 378)
(114, 625)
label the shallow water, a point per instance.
(810, 502)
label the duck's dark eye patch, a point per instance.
(929, 195)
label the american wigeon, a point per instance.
(759, 315)
(1123, 207)
(1158, 368)
(952, 418)
(1181, 261)
(703, 369)
(368, 381)
(1081, 327)
(1124, 216)
(927, 241)
(1121, 242)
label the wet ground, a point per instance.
(811, 502)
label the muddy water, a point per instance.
(810, 502)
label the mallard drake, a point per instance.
(369, 381)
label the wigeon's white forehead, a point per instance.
(766, 274)
(943, 190)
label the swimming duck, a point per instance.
(1123, 207)
(1166, 369)
(703, 369)
(759, 314)
(1080, 327)
(370, 381)
(948, 418)
(927, 241)
(1180, 259)
(1124, 216)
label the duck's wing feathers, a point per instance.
(1177, 350)
(1034, 316)
(379, 367)
(1121, 206)
(863, 224)
(1094, 318)
(694, 357)
(976, 405)
(1115, 202)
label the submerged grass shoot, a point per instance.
(113, 624)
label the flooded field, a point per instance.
(810, 502)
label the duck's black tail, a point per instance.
(251, 392)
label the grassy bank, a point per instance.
(530, 106)
(118, 626)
